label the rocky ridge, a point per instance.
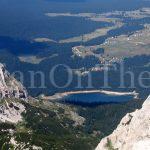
(9, 86)
(133, 132)
(10, 89)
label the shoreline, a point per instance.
(58, 96)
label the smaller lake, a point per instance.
(96, 98)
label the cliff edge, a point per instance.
(133, 132)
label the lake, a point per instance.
(96, 98)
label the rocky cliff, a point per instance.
(9, 86)
(10, 112)
(133, 132)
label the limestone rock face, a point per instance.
(11, 112)
(9, 86)
(133, 132)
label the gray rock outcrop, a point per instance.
(9, 86)
(133, 132)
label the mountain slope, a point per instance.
(133, 132)
(29, 123)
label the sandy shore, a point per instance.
(61, 95)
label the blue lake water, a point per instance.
(91, 98)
